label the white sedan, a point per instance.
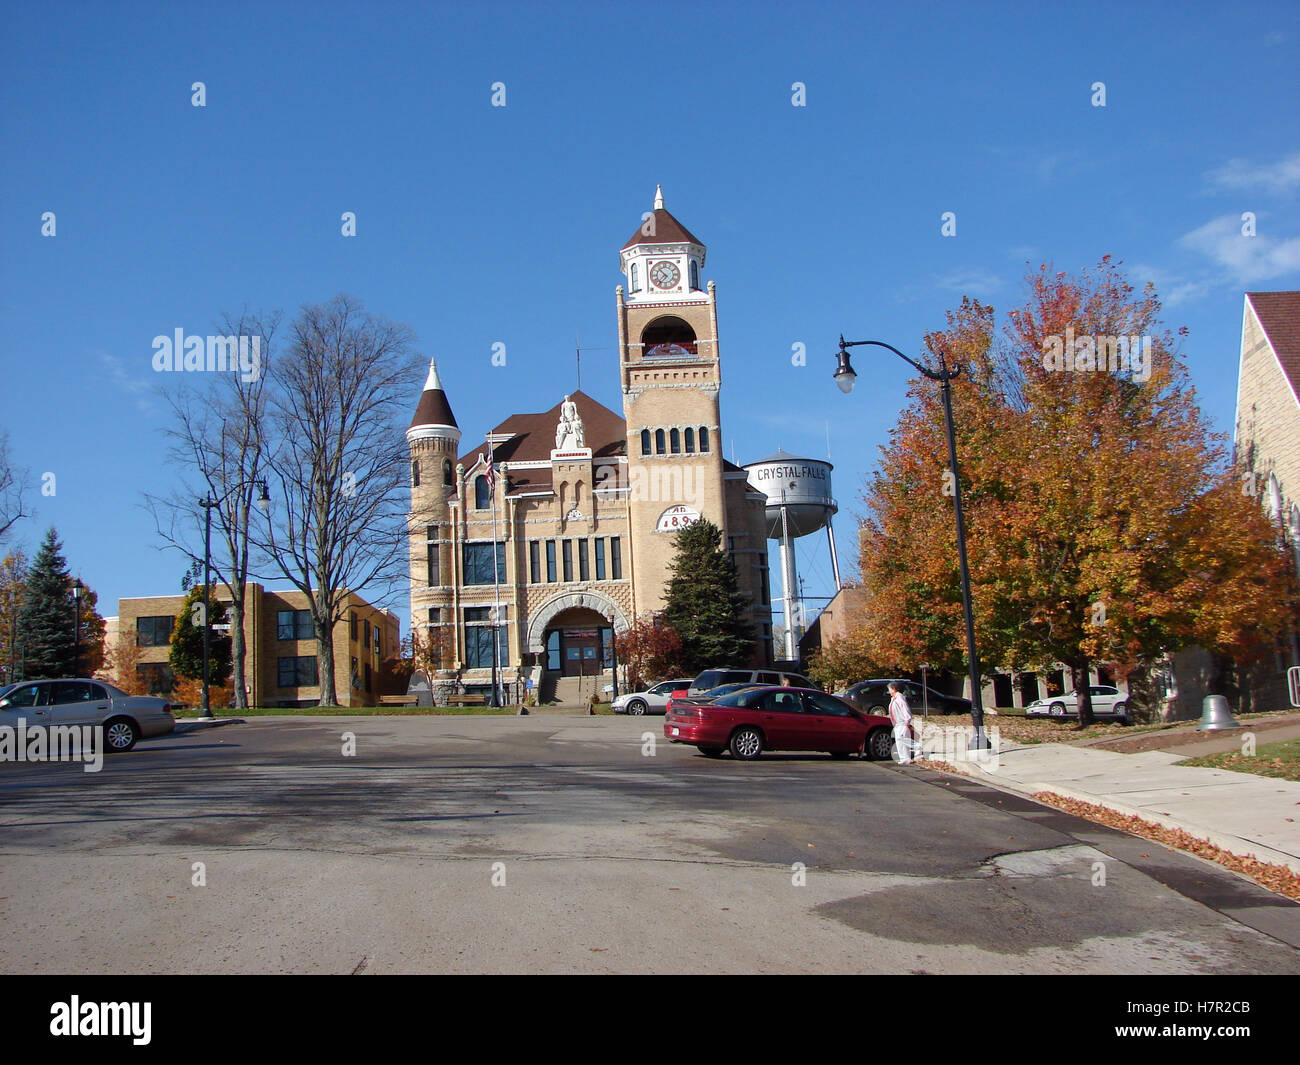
(1108, 703)
(652, 700)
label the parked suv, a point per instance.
(711, 678)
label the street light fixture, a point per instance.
(208, 503)
(846, 378)
(76, 627)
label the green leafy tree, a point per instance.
(45, 620)
(704, 604)
(186, 653)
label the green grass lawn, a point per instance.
(1281, 760)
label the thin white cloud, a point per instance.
(1172, 288)
(139, 384)
(1242, 175)
(1241, 259)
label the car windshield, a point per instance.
(742, 698)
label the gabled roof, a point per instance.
(532, 436)
(1279, 315)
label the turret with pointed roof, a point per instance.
(433, 417)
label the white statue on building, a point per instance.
(569, 433)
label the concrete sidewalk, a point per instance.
(1247, 815)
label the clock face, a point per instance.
(665, 274)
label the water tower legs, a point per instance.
(790, 592)
(835, 558)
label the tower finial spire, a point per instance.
(432, 383)
(659, 197)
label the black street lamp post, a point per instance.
(845, 378)
(76, 628)
(208, 503)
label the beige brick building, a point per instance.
(281, 667)
(581, 502)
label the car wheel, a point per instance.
(880, 710)
(1056, 710)
(637, 707)
(711, 752)
(880, 745)
(746, 743)
(120, 734)
(840, 755)
(1121, 713)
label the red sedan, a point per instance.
(755, 720)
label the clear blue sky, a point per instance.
(479, 225)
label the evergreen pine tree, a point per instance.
(704, 603)
(45, 620)
(186, 653)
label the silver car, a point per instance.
(652, 700)
(1107, 702)
(125, 718)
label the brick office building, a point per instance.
(281, 668)
(580, 501)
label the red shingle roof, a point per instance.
(534, 438)
(1279, 314)
(665, 230)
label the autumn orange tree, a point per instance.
(649, 653)
(1105, 523)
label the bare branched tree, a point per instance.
(339, 468)
(220, 437)
(13, 483)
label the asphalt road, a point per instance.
(499, 844)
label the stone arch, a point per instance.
(556, 605)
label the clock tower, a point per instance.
(670, 374)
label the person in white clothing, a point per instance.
(900, 715)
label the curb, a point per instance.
(1235, 845)
(192, 724)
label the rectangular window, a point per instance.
(479, 563)
(379, 647)
(567, 548)
(293, 625)
(435, 615)
(352, 627)
(764, 590)
(297, 672)
(584, 572)
(368, 681)
(550, 561)
(535, 562)
(156, 678)
(153, 632)
(616, 558)
(600, 558)
(478, 638)
(431, 564)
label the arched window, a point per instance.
(690, 441)
(695, 274)
(704, 440)
(415, 473)
(446, 472)
(675, 442)
(636, 279)
(482, 500)
(659, 442)
(645, 441)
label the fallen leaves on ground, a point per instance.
(1274, 877)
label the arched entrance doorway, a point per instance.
(578, 643)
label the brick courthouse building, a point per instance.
(556, 530)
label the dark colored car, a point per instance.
(872, 696)
(755, 720)
(712, 678)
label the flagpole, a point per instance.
(496, 587)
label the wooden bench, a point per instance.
(467, 700)
(397, 700)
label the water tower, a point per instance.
(799, 502)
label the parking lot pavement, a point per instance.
(502, 844)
